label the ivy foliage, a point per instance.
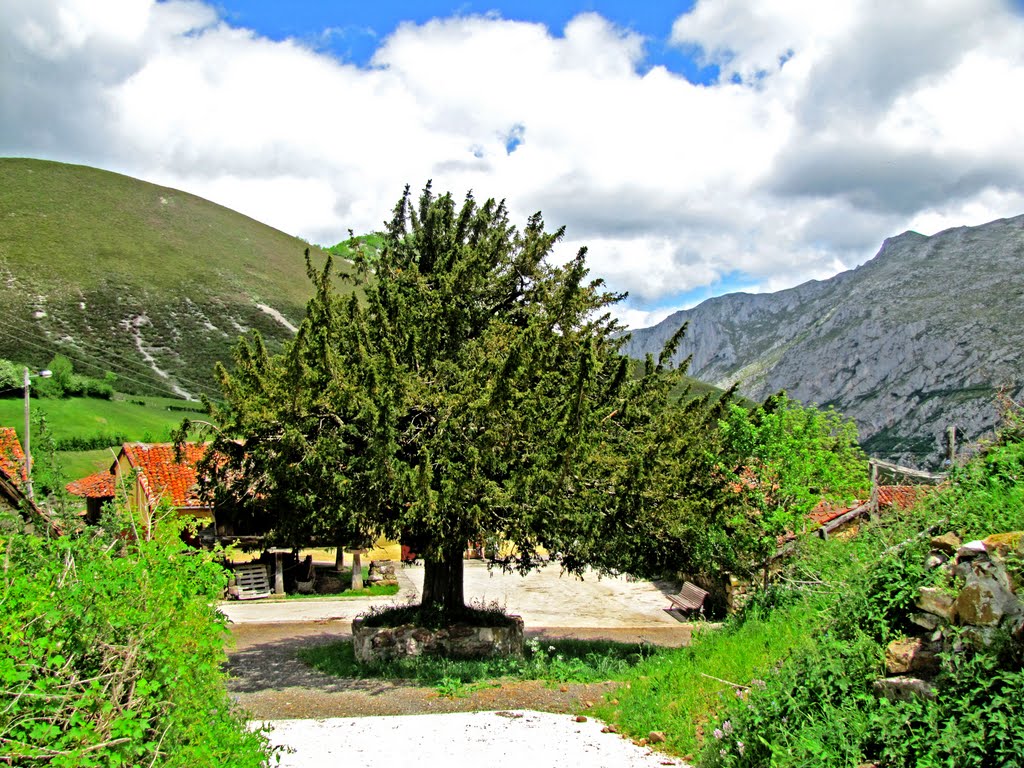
(113, 653)
(469, 390)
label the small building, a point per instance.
(146, 474)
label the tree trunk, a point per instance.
(357, 569)
(442, 584)
(339, 558)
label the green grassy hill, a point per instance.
(105, 424)
(119, 274)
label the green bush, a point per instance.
(89, 442)
(113, 653)
(819, 707)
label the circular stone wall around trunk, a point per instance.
(456, 642)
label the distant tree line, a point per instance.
(62, 382)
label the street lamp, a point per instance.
(44, 374)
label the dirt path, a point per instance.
(269, 681)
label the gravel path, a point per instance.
(269, 681)
(330, 721)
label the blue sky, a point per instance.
(357, 28)
(695, 148)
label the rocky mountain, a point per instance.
(919, 338)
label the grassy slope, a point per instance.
(139, 419)
(87, 255)
(85, 417)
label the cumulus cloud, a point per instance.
(830, 127)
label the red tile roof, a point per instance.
(826, 512)
(12, 457)
(98, 486)
(901, 496)
(161, 475)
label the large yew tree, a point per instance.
(470, 390)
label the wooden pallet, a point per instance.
(252, 580)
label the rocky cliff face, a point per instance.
(917, 339)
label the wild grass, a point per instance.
(78, 464)
(373, 590)
(555, 661)
(682, 691)
(88, 418)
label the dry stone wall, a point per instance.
(373, 644)
(984, 600)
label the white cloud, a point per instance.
(832, 126)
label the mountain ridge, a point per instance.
(916, 339)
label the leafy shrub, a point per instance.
(113, 654)
(64, 382)
(784, 458)
(89, 442)
(819, 708)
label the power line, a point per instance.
(102, 360)
(102, 352)
(79, 343)
(74, 356)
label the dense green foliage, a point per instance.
(62, 381)
(784, 459)
(365, 247)
(476, 394)
(810, 702)
(113, 653)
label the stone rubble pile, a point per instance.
(985, 600)
(382, 572)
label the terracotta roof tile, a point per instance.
(12, 457)
(826, 512)
(98, 486)
(161, 475)
(901, 496)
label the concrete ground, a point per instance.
(544, 598)
(267, 632)
(537, 739)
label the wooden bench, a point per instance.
(690, 598)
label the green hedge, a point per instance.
(89, 442)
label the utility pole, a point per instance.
(28, 451)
